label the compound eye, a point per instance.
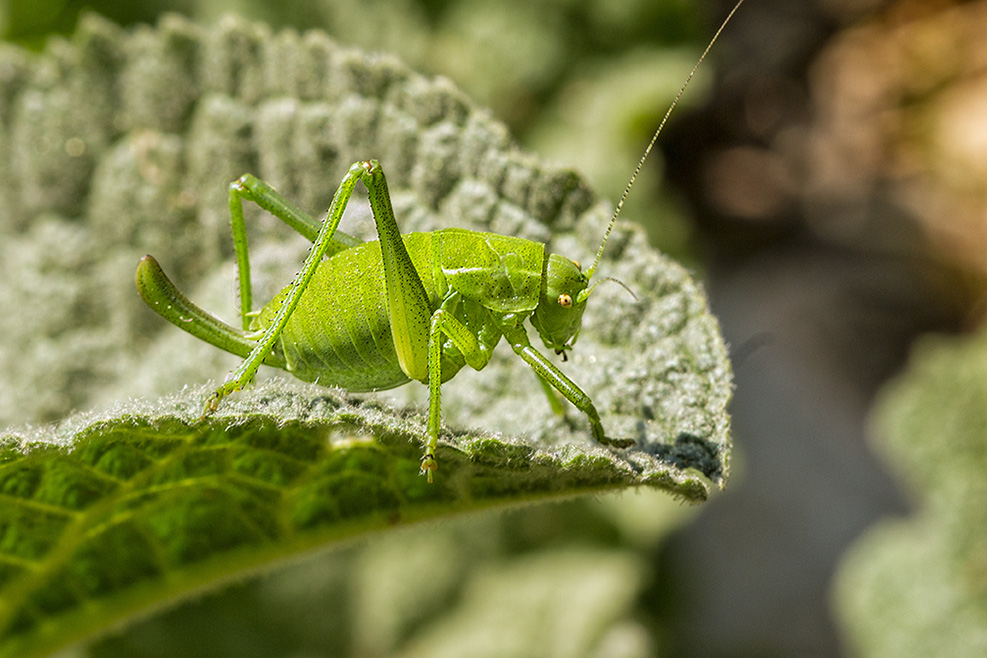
(565, 301)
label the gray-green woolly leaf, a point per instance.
(918, 587)
(115, 144)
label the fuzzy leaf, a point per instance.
(120, 143)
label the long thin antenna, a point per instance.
(654, 139)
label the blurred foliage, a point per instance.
(919, 587)
(855, 127)
(901, 106)
(891, 160)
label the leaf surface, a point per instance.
(121, 143)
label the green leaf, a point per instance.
(108, 515)
(120, 143)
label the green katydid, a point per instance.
(374, 315)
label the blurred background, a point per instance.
(824, 176)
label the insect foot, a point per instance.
(603, 440)
(600, 436)
(212, 404)
(429, 466)
(618, 443)
(231, 385)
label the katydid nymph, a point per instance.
(375, 315)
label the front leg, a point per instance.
(550, 374)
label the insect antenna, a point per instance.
(586, 293)
(654, 139)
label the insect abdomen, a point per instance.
(340, 334)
